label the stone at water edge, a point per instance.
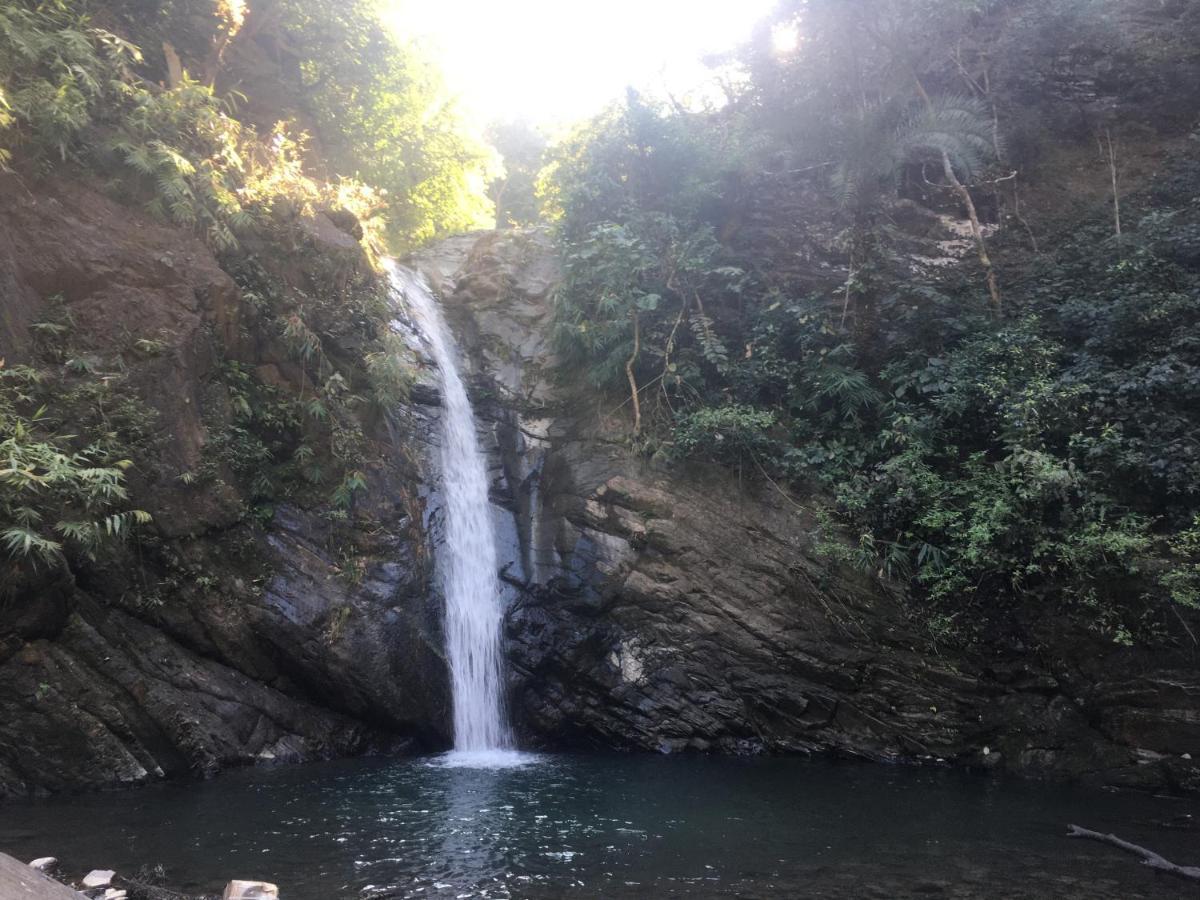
(98, 878)
(250, 890)
(20, 882)
(114, 894)
(44, 863)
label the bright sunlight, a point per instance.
(549, 60)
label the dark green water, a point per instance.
(617, 827)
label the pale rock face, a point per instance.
(628, 663)
(21, 882)
(98, 878)
(250, 890)
(44, 863)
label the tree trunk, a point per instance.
(258, 15)
(964, 194)
(985, 259)
(633, 385)
(174, 65)
(212, 64)
(1116, 185)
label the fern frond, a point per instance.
(957, 126)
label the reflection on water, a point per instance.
(615, 827)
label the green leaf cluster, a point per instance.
(57, 494)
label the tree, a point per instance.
(522, 148)
(383, 115)
(377, 111)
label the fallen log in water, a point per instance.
(1149, 857)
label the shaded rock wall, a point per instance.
(211, 640)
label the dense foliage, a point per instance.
(166, 124)
(240, 122)
(55, 491)
(522, 150)
(809, 283)
(384, 116)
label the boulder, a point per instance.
(250, 890)
(98, 878)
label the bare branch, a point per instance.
(633, 385)
(1149, 857)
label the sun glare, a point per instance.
(785, 38)
(555, 61)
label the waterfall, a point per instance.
(467, 559)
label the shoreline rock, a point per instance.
(31, 881)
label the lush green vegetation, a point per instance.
(383, 116)
(176, 124)
(522, 149)
(309, 443)
(55, 491)
(1008, 419)
(239, 122)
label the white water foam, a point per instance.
(484, 759)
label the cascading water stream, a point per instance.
(467, 559)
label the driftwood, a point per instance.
(144, 890)
(1149, 857)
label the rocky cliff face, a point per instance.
(211, 640)
(684, 608)
(652, 607)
